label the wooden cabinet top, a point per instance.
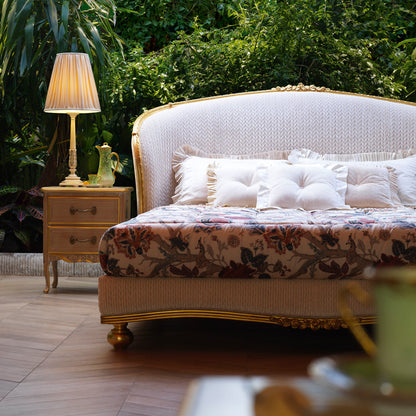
(85, 189)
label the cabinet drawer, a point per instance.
(74, 240)
(65, 210)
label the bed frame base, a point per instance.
(120, 337)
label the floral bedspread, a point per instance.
(203, 242)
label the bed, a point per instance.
(260, 206)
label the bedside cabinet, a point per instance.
(74, 219)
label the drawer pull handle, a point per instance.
(74, 240)
(73, 210)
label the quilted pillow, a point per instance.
(190, 167)
(372, 187)
(235, 184)
(405, 169)
(310, 187)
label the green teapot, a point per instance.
(105, 174)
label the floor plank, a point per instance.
(55, 360)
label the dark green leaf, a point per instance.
(23, 61)
(53, 18)
(65, 14)
(9, 189)
(98, 45)
(84, 40)
(29, 40)
(23, 236)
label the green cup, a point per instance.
(92, 179)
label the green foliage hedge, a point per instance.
(155, 23)
(348, 46)
(178, 50)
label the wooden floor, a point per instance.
(55, 360)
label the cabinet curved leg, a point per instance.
(46, 273)
(55, 273)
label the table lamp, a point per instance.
(72, 91)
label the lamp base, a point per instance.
(72, 180)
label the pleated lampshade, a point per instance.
(72, 87)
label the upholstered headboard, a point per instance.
(282, 118)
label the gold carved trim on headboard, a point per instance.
(301, 87)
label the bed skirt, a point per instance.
(286, 302)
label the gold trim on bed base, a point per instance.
(120, 337)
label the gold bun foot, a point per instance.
(46, 290)
(120, 337)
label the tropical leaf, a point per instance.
(53, 19)
(85, 42)
(9, 189)
(28, 41)
(20, 213)
(96, 40)
(35, 212)
(61, 38)
(23, 236)
(35, 191)
(6, 208)
(65, 14)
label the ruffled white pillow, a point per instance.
(404, 171)
(190, 167)
(310, 187)
(356, 157)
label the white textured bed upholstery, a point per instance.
(327, 122)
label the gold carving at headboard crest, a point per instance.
(301, 87)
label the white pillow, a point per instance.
(190, 167)
(372, 187)
(235, 184)
(405, 170)
(406, 178)
(191, 181)
(355, 157)
(310, 187)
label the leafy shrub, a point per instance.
(155, 23)
(408, 69)
(343, 46)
